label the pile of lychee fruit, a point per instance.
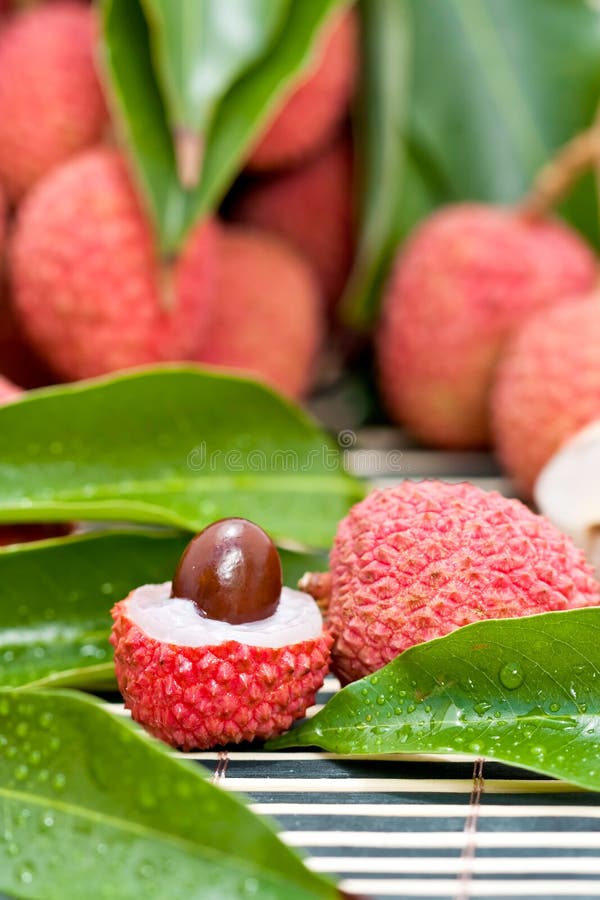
(489, 329)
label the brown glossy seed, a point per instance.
(231, 571)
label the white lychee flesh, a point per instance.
(176, 620)
(567, 490)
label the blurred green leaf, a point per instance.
(382, 107)
(239, 115)
(495, 88)
(172, 446)
(200, 49)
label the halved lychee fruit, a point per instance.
(225, 653)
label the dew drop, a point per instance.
(101, 849)
(364, 692)
(48, 820)
(411, 708)
(398, 710)
(381, 699)
(475, 746)
(582, 708)
(511, 676)
(26, 875)
(374, 679)
(368, 718)
(482, 708)
(107, 588)
(554, 707)
(21, 772)
(539, 752)
(251, 886)
(12, 849)
(8, 656)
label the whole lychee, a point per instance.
(547, 387)
(267, 317)
(418, 560)
(237, 658)
(311, 207)
(312, 111)
(88, 286)
(51, 103)
(467, 277)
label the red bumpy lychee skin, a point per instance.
(202, 697)
(88, 286)
(318, 104)
(267, 316)
(311, 207)
(417, 561)
(547, 387)
(466, 279)
(51, 103)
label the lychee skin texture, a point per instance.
(203, 697)
(51, 103)
(311, 207)
(88, 286)
(548, 387)
(311, 114)
(417, 561)
(267, 316)
(464, 281)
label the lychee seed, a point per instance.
(231, 571)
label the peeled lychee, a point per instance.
(310, 206)
(51, 103)
(418, 560)
(316, 106)
(267, 317)
(548, 386)
(464, 281)
(90, 291)
(197, 677)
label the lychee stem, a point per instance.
(558, 176)
(166, 284)
(318, 585)
(189, 150)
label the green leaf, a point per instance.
(55, 601)
(56, 596)
(238, 117)
(386, 30)
(171, 446)
(520, 691)
(200, 50)
(91, 806)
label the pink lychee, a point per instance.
(51, 103)
(547, 387)
(197, 683)
(418, 560)
(267, 318)
(310, 206)
(467, 277)
(89, 289)
(316, 106)
(8, 391)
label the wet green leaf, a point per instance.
(172, 446)
(56, 596)
(91, 806)
(520, 691)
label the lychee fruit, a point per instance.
(267, 317)
(547, 387)
(311, 207)
(466, 278)
(224, 654)
(316, 106)
(51, 102)
(88, 286)
(418, 560)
